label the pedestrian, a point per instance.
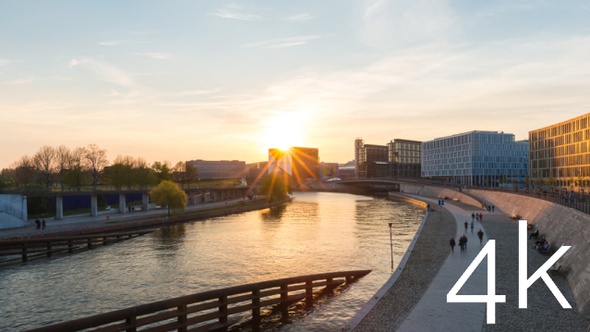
(480, 217)
(43, 224)
(463, 242)
(38, 223)
(489, 208)
(466, 224)
(472, 224)
(480, 236)
(493, 208)
(472, 216)
(452, 243)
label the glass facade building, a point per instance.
(476, 158)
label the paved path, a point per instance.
(431, 312)
(87, 221)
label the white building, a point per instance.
(476, 158)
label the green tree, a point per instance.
(274, 187)
(169, 194)
(162, 171)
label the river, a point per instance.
(316, 233)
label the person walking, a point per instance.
(452, 243)
(480, 236)
(472, 224)
(43, 224)
(466, 225)
(480, 217)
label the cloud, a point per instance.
(300, 17)
(236, 12)
(4, 62)
(122, 42)
(285, 42)
(20, 81)
(198, 92)
(156, 55)
(388, 23)
(105, 71)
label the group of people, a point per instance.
(40, 224)
(541, 244)
(463, 239)
(475, 216)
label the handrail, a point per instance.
(212, 309)
(49, 245)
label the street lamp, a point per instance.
(391, 243)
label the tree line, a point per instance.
(71, 169)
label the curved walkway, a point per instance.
(432, 312)
(80, 222)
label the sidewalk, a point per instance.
(88, 221)
(431, 312)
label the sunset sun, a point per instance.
(284, 130)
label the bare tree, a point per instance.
(44, 161)
(63, 155)
(95, 159)
(24, 171)
(76, 175)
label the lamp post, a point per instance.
(391, 243)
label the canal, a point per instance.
(316, 233)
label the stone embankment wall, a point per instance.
(561, 226)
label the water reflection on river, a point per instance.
(317, 232)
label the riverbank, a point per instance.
(427, 273)
(428, 255)
(85, 224)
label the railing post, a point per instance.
(223, 310)
(329, 287)
(182, 319)
(256, 310)
(89, 243)
(131, 322)
(309, 293)
(49, 248)
(284, 304)
(24, 252)
(70, 247)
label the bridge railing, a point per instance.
(213, 310)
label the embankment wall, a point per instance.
(561, 225)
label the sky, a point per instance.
(220, 80)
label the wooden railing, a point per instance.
(26, 248)
(214, 310)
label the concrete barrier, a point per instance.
(436, 192)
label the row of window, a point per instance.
(578, 124)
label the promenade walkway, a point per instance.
(431, 312)
(87, 221)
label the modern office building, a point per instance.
(398, 158)
(476, 158)
(222, 169)
(404, 157)
(560, 154)
(299, 163)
